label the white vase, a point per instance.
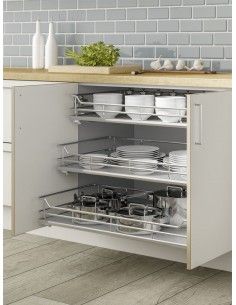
(38, 48)
(51, 48)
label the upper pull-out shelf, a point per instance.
(148, 107)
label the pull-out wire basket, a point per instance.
(57, 210)
(96, 156)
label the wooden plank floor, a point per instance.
(43, 271)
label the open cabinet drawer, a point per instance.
(208, 137)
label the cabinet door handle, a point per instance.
(198, 124)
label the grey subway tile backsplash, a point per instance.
(144, 52)
(181, 12)
(134, 39)
(215, 25)
(85, 27)
(49, 5)
(156, 39)
(23, 17)
(125, 26)
(166, 52)
(202, 39)
(18, 61)
(14, 5)
(191, 25)
(40, 15)
(178, 38)
(228, 52)
(204, 12)
(116, 14)
(105, 27)
(168, 26)
(12, 27)
(148, 3)
(158, 13)
(91, 38)
(127, 3)
(58, 16)
(106, 3)
(193, 2)
(67, 4)
(170, 2)
(19, 40)
(136, 13)
(86, 4)
(117, 39)
(189, 52)
(224, 11)
(77, 15)
(126, 52)
(31, 5)
(7, 40)
(223, 39)
(142, 29)
(146, 26)
(212, 52)
(95, 15)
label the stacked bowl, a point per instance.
(135, 106)
(103, 101)
(172, 111)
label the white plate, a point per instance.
(137, 148)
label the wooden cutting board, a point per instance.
(94, 70)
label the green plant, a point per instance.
(96, 54)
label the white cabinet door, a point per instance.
(209, 176)
(7, 114)
(41, 122)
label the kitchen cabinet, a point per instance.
(46, 125)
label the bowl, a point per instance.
(134, 106)
(106, 99)
(176, 102)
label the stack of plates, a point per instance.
(177, 157)
(93, 161)
(138, 151)
(139, 159)
(143, 166)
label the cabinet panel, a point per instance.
(209, 176)
(7, 178)
(7, 222)
(41, 122)
(7, 114)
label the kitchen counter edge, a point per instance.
(219, 80)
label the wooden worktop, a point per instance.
(220, 80)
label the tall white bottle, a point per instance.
(38, 48)
(51, 48)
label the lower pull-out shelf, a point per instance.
(128, 213)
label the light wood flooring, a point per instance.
(43, 271)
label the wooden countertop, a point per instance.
(219, 80)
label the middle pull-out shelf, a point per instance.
(119, 157)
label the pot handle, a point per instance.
(169, 187)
